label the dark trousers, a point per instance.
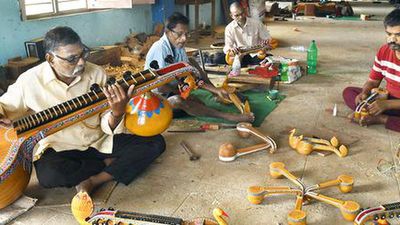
(68, 168)
(393, 122)
(246, 61)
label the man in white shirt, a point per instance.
(244, 32)
(171, 49)
(89, 152)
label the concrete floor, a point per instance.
(175, 186)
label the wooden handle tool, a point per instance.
(192, 156)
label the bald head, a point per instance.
(237, 13)
(235, 7)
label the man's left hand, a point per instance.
(118, 98)
(378, 107)
(222, 93)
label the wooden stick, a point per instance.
(277, 169)
(344, 182)
(227, 151)
(297, 216)
(349, 209)
(257, 194)
(248, 79)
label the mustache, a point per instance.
(78, 69)
(394, 46)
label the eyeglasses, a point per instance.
(180, 34)
(237, 15)
(73, 60)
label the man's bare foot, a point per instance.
(350, 116)
(369, 120)
(246, 117)
(92, 182)
(85, 186)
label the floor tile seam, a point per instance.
(180, 205)
(395, 160)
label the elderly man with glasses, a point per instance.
(243, 32)
(171, 49)
(90, 152)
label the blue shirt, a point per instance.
(161, 49)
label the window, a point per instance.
(35, 9)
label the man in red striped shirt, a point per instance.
(386, 66)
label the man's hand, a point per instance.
(234, 51)
(266, 43)
(360, 97)
(222, 93)
(5, 122)
(117, 98)
(378, 107)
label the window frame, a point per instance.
(57, 13)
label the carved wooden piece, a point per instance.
(277, 170)
(234, 97)
(260, 49)
(306, 145)
(227, 152)
(343, 182)
(362, 108)
(349, 209)
(257, 194)
(380, 214)
(112, 216)
(297, 216)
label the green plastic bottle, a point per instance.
(312, 55)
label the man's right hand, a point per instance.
(5, 122)
(360, 97)
(235, 51)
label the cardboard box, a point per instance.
(106, 55)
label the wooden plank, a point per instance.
(248, 79)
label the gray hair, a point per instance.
(60, 36)
(235, 5)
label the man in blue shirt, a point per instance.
(171, 49)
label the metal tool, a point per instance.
(192, 156)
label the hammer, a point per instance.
(192, 156)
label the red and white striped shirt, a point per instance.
(387, 66)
